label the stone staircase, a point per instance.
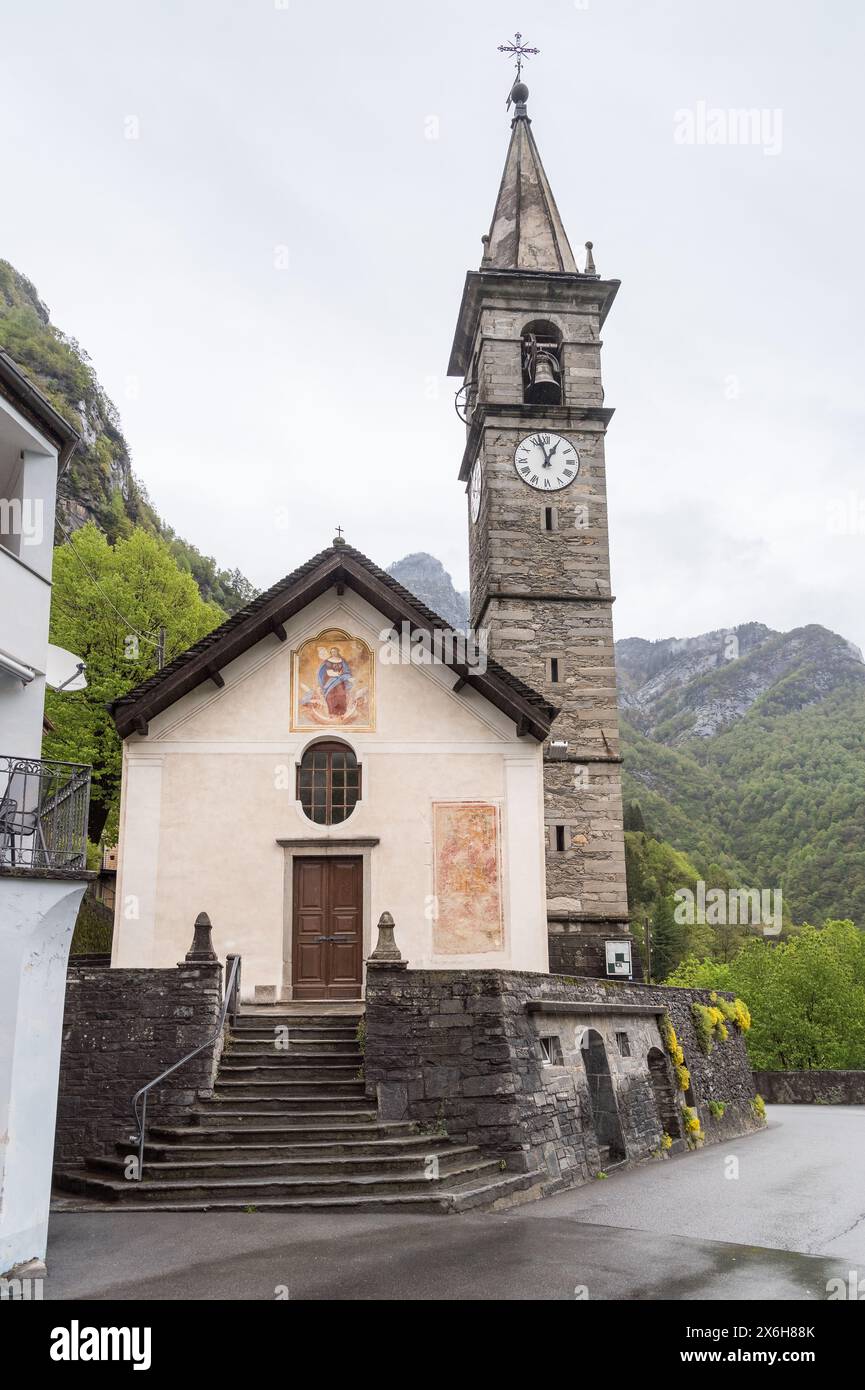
(289, 1128)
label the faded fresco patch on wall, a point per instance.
(467, 885)
(333, 683)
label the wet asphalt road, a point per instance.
(776, 1224)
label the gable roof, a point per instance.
(342, 567)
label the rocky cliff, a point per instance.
(427, 577)
(678, 689)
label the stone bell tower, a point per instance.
(528, 346)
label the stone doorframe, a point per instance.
(326, 846)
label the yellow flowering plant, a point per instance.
(693, 1128)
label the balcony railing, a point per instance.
(43, 814)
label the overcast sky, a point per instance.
(267, 278)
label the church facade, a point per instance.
(334, 751)
(312, 765)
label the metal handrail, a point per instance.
(141, 1120)
(44, 802)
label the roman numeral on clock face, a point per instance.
(548, 462)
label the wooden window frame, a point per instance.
(330, 747)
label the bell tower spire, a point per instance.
(526, 232)
(528, 347)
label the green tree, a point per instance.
(108, 604)
(806, 996)
(633, 817)
(667, 938)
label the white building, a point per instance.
(43, 820)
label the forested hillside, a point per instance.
(755, 762)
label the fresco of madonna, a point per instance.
(333, 680)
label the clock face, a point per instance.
(475, 484)
(546, 462)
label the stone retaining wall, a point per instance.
(463, 1050)
(811, 1087)
(120, 1029)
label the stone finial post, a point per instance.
(201, 950)
(387, 953)
(234, 1001)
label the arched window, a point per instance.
(328, 783)
(541, 345)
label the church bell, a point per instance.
(545, 386)
(542, 372)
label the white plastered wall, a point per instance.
(210, 791)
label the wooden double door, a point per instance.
(327, 928)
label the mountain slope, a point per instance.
(427, 577)
(676, 691)
(756, 761)
(99, 484)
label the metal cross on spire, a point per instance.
(520, 51)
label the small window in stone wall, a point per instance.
(550, 517)
(560, 838)
(624, 1045)
(551, 1051)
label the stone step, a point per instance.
(243, 1164)
(221, 1117)
(297, 1045)
(506, 1190)
(291, 1068)
(286, 1043)
(302, 1100)
(286, 1092)
(338, 1022)
(333, 1130)
(281, 1146)
(265, 1082)
(248, 1191)
(295, 1029)
(324, 1023)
